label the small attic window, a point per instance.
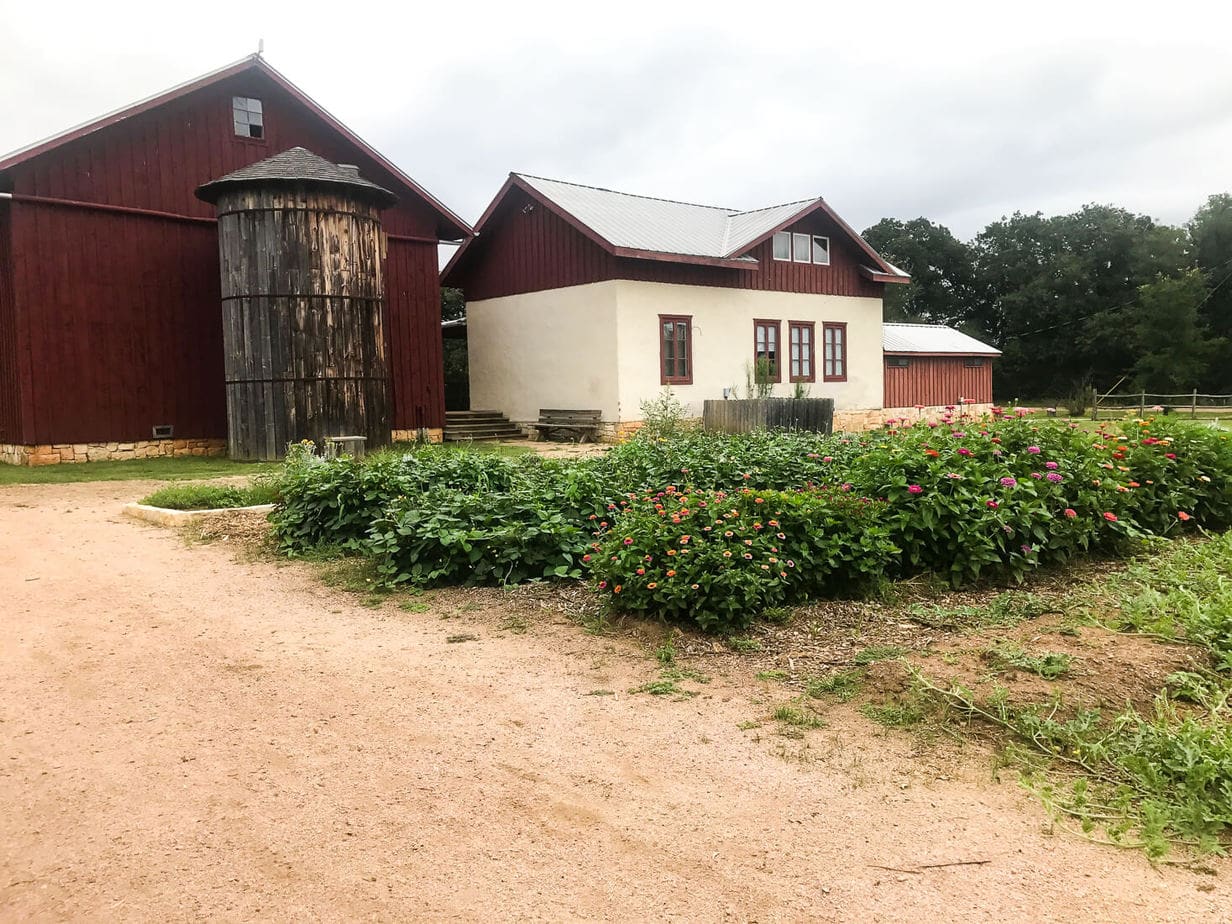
(248, 117)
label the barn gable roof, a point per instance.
(932, 340)
(451, 225)
(644, 227)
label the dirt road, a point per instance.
(184, 735)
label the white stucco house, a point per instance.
(578, 297)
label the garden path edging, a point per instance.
(165, 516)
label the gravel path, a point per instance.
(187, 735)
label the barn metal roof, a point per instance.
(296, 165)
(932, 339)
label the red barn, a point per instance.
(110, 331)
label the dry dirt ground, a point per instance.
(189, 734)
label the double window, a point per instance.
(801, 351)
(675, 349)
(802, 248)
(247, 117)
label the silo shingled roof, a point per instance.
(296, 165)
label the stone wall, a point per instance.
(433, 434)
(56, 453)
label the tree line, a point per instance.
(1091, 299)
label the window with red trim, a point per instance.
(834, 357)
(801, 351)
(675, 349)
(766, 359)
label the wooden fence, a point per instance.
(744, 415)
(1194, 404)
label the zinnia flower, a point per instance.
(1183, 516)
(671, 572)
(1034, 450)
(992, 504)
(1071, 512)
(1008, 482)
(651, 586)
(1110, 517)
(1051, 466)
(1054, 477)
(915, 489)
(616, 589)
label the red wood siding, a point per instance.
(416, 358)
(117, 315)
(530, 251)
(937, 381)
(10, 406)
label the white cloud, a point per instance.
(960, 112)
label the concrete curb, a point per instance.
(163, 516)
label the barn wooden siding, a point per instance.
(532, 250)
(117, 312)
(10, 407)
(937, 381)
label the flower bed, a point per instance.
(967, 499)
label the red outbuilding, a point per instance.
(110, 334)
(933, 365)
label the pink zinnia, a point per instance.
(1034, 450)
(1110, 517)
(1008, 482)
(992, 504)
(1051, 466)
(915, 489)
(1055, 478)
(964, 452)
(1071, 512)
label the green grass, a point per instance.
(877, 653)
(1003, 610)
(894, 715)
(798, 717)
(187, 468)
(1050, 665)
(210, 496)
(1152, 778)
(496, 449)
(842, 684)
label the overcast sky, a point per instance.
(961, 113)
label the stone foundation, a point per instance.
(433, 434)
(56, 453)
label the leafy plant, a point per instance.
(1049, 665)
(663, 417)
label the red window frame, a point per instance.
(678, 321)
(837, 358)
(775, 329)
(811, 327)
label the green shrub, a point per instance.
(444, 536)
(211, 496)
(719, 560)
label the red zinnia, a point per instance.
(1071, 512)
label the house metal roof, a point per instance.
(663, 225)
(933, 339)
(646, 228)
(297, 165)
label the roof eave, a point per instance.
(934, 353)
(891, 278)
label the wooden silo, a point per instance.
(301, 251)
